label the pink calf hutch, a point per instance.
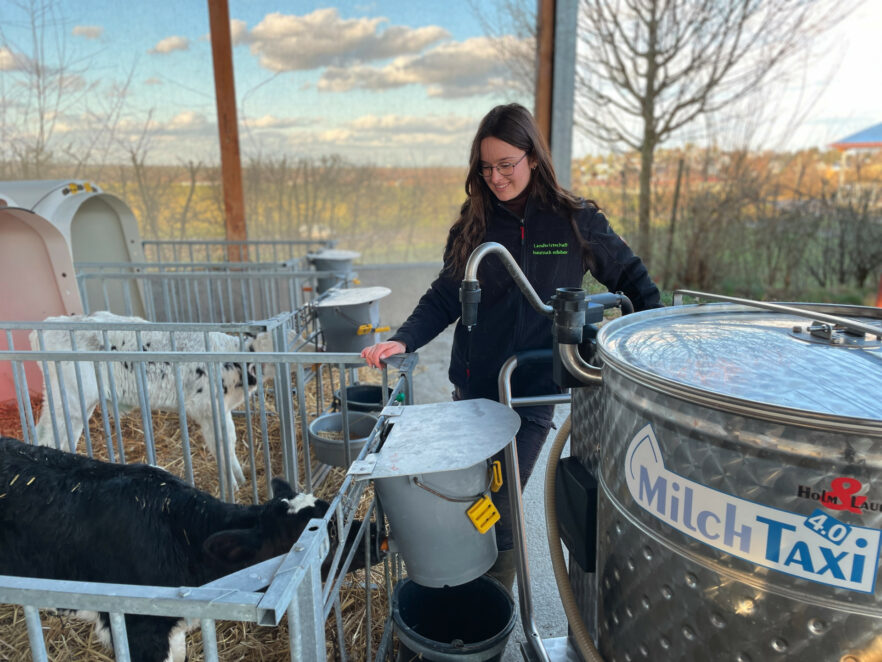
(36, 280)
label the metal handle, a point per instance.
(454, 499)
(852, 325)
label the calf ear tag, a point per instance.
(483, 514)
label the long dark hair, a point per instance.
(513, 124)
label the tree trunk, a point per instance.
(644, 231)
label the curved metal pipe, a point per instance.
(577, 366)
(471, 273)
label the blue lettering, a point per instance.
(658, 489)
(730, 533)
(773, 541)
(800, 554)
(832, 563)
(857, 568)
(687, 509)
(703, 517)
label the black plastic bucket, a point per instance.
(362, 397)
(466, 623)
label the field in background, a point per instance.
(797, 226)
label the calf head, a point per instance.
(280, 524)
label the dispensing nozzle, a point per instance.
(469, 297)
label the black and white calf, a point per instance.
(65, 516)
(160, 383)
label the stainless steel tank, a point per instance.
(741, 496)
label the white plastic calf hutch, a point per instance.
(36, 281)
(97, 226)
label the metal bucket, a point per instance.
(466, 623)
(428, 522)
(332, 259)
(348, 318)
(324, 430)
(363, 397)
(432, 476)
(741, 492)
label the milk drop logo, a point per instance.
(818, 547)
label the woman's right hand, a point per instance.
(376, 353)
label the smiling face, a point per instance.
(495, 152)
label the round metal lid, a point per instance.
(333, 254)
(353, 296)
(765, 357)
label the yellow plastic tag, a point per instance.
(496, 477)
(355, 281)
(483, 514)
(364, 329)
(382, 329)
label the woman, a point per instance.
(514, 199)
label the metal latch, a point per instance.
(821, 330)
(835, 334)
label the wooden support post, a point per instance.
(228, 129)
(545, 15)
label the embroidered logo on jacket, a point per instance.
(559, 248)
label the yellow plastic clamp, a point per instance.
(496, 476)
(483, 514)
(364, 329)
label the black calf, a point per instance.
(65, 516)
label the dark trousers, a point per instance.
(536, 421)
(530, 438)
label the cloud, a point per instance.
(285, 42)
(272, 122)
(10, 61)
(385, 132)
(433, 124)
(169, 45)
(188, 120)
(88, 31)
(451, 70)
(238, 31)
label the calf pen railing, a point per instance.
(262, 594)
(218, 250)
(199, 292)
(292, 585)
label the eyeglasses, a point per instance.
(504, 169)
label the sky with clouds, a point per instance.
(391, 82)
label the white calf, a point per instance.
(161, 392)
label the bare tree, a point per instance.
(44, 90)
(649, 68)
(516, 18)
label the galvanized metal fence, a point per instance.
(200, 292)
(218, 250)
(198, 288)
(261, 594)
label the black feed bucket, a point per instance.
(362, 397)
(468, 623)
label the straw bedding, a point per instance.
(71, 640)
